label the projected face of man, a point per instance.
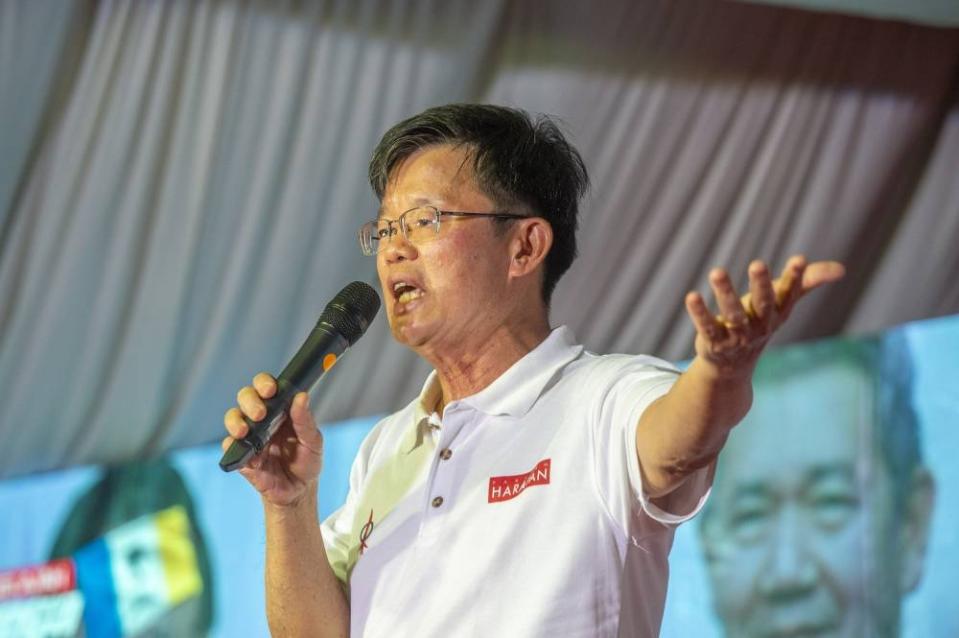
(804, 537)
(142, 589)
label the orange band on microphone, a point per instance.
(328, 361)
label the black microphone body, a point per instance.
(343, 322)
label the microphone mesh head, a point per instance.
(352, 310)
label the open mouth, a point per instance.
(405, 292)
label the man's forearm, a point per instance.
(684, 430)
(303, 597)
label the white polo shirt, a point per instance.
(519, 513)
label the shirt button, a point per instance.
(446, 454)
(437, 501)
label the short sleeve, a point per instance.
(626, 387)
(339, 537)
(337, 532)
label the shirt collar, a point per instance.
(424, 407)
(429, 397)
(515, 391)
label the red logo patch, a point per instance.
(503, 488)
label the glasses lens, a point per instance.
(369, 237)
(422, 224)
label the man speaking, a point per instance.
(532, 488)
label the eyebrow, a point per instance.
(751, 489)
(419, 201)
(821, 472)
(814, 474)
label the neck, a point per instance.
(477, 362)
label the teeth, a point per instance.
(410, 295)
(403, 290)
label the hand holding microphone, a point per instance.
(292, 459)
(273, 438)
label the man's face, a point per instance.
(156, 597)
(459, 276)
(802, 538)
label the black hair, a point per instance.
(523, 163)
(886, 362)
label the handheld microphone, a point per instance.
(342, 323)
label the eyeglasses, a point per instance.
(418, 225)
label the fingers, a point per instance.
(265, 385)
(769, 301)
(735, 336)
(250, 402)
(822, 272)
(304, 425)
(702, 319)
(789, 285)
(300, 410)
(235, 425)
(731, 310)
(761, 301)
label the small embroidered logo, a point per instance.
(365, 532)
(503, 488)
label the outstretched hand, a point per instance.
(733, 339)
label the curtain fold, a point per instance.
(181, 183)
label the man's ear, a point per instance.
(914, 532)
(530, 241)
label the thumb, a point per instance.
(820, 273)
(304, 425)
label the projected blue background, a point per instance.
(228, 516)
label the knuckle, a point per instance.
(252, 407)
(256, 412)
(235, 431)
(264, 383)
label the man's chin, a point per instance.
(811, 625)
(409, 334)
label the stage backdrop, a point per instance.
(835, 503)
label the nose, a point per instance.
(789, 571)
(397, 247)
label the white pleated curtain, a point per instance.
(182, 181)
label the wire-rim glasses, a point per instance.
(418, 225)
